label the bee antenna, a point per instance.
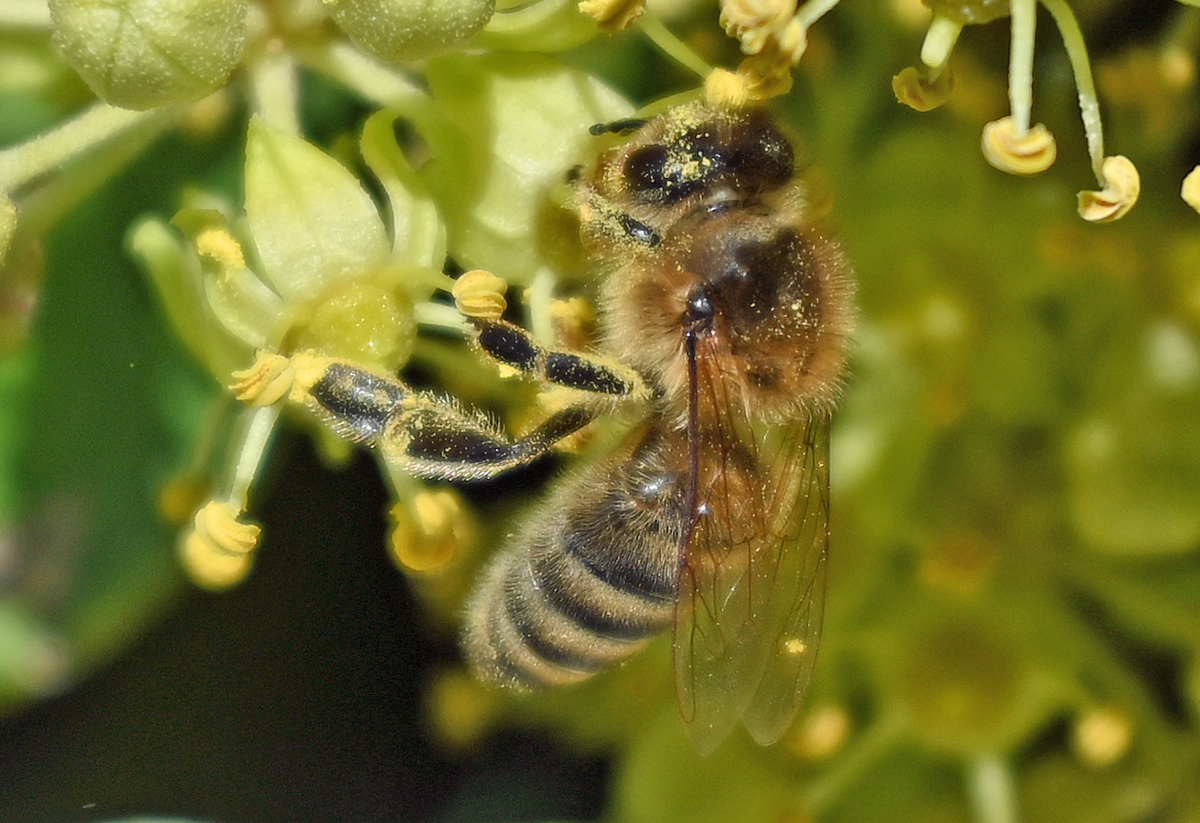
(618, 126)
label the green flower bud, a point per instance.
(398, 30)
(138, 54)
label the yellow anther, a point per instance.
(613, 15)
(221, 247)
(266, 382)
(1190, 192)
(766, 75)
(1121, 189)
(430, 529)
(727, 89)
(574, 319)
(1102, 736)
(753, 22)
(1009, 150)
(218, 522)
(791, 41)
(918, 90)
(216, 553)
(480, 294)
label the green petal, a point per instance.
(175, 272)
(513, 126)
(548, 25)
(419, 237)
(311, 220)
(138, 54)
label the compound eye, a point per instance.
(646, 169)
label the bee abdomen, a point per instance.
(560, 608)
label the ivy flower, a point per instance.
(309, 268)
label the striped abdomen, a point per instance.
(588, 583)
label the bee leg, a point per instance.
(479, 296)
(434, 438)
(417, 432)
(512, 346)
(624, 126)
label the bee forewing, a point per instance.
(789, 577)
(752, 583)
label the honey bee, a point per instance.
(725, 314)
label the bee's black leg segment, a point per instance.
(617, 126)
(512, 346)
(509, 344)
(436, 439)
(639, 231)
(358, 404)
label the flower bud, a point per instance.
(139, 54)
(395, 31)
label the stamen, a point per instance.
(939, 42)
(1020, 65)
(480, 294)
(1072, 37)
(1121, 187)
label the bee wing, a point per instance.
(752, 576)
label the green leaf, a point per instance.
(312, 222)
